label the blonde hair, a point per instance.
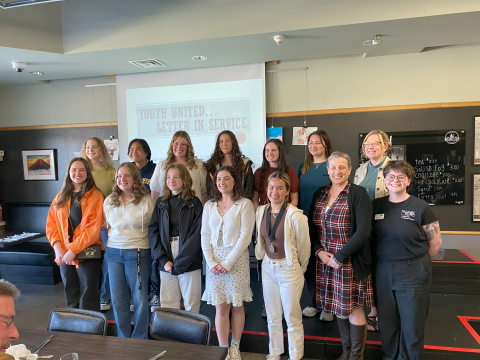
(187, 191)
(190, 153)
(105, 158)
(139, 190)
(383, 139)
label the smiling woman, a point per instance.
(127, 212)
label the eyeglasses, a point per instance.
(373, 144)
(9, 322)
(400, 178)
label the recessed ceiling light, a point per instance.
(37, 73)
(199, 58)
(376, 40)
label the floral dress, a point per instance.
(232, 287)
(337, 290)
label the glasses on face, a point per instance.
(372, 144)
(9, 322)
(400, 178)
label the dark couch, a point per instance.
(29, 262)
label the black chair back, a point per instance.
(77, 321)
(181, 326)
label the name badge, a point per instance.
(379, 216)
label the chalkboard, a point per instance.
(439, 161)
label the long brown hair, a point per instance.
(139, 190)
(327, 144)
(105, 158)
(216, 195)
(190, 153)
(68, 187)
(187, 191)
(215, 160)
(282, 163)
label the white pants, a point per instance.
(282, 288)
(187, 285)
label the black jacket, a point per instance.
(189, 256)
(248, 182)
(358, 246)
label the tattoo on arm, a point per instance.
(431, 230)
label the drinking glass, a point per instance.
(71, 356)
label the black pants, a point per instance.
(403, 296)
(311, 281)
(82, 284)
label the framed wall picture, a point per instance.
(39, 164)
(476, 140)
(476, 197)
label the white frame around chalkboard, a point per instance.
(476, 197)
(476, 140)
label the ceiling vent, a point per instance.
(147, 64)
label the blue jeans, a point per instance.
(104, 283)
(154, 279)
(128, 283)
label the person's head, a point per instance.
(180, 148)
(178, 182)
(226, 144)
(78, 178)
(227, 183)
(319, 145)
(278, 187)
(273, 152)
(128, 181)
(339, 166)
(8, 331)
(93, 149)
(398, 176)
(375, 145)
(139, 151)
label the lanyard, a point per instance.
(271, 233)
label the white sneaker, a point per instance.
(234, 352)
(325, 316)
(273, 357)
(310, 311)
(105, 305)
(228, 355)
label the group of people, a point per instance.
(144, 229)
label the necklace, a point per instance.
(274, 215)
(316, 166)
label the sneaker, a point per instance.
(132, 309)
(325, 316)
(273, 357)
(228, 355)
(155, 303)
(310, 311)
(105, 305)
(234, 352)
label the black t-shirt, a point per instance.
(174, 205)
(75, 215)
(397, 228)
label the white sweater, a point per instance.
(297, 237)
(198, 175)
(237, 230)
(128, 223)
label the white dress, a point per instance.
(232, 287)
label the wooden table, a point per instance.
(96, 347)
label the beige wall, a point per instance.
(449, 74)
(60, 102)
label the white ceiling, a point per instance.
(85, 38)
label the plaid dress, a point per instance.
(337, 290)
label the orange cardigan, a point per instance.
(87, 233)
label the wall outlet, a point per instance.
(2, 153)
